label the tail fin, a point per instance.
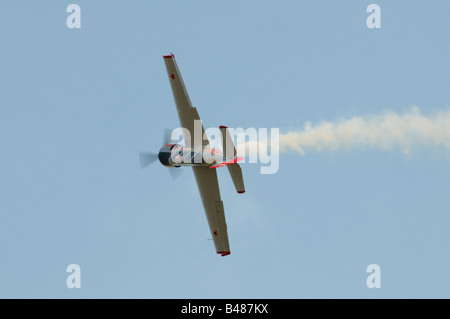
(229, 153)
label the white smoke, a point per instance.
(387, 130)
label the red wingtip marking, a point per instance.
(241, 192)
(222, 126)
(224, 253)
(168, 56)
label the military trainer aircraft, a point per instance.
(203, 158)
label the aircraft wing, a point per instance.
(205, 177)
(186, 112)
(208, 187)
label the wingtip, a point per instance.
(168, 56)
(241, 192)
(223, 126)
(224, 253)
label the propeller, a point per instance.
(147, 158)
(167, 137)
(175, 172)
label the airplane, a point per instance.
(203, 158)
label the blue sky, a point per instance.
(78, 105)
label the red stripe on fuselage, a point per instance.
(235, 160)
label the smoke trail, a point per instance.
(384, 131)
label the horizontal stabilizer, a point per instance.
(229, 151)
(236, 175)
(230, 160)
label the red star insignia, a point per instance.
(172, 76)
(216, 233)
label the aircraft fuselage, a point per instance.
(175, 155)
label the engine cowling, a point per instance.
(165, 153)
